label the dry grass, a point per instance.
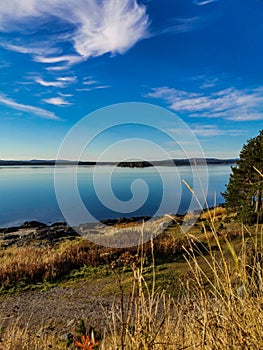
(219, 306)
(16, 338)
(214, 213)
(31, 264)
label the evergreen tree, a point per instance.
(245, 188)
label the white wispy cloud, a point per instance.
(203, 130)
(97, 27)
(68, 59)
(67, 79)
(102, 87)
(208, 82)
(31, 49)
(58, 68)
(65, 95)
(210, 130)
(93, 88)
(183, 25)
(27, 108)
(203, 2)
(58, 84)
(57, 101)
(109, 26)
(230, 103)
(89, 82)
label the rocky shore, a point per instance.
(37, 233)
(40, 234)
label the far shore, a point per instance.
(122, 164)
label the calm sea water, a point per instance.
(28, 193)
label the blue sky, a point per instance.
(61, 60)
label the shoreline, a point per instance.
(41, 233)
(35, 231)
(120, 164)
(32, 223)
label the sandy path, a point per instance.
(57, 309)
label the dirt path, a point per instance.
(57, 309)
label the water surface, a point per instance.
(28, 193)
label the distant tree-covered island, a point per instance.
(135, 164)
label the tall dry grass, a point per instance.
(15, 337)
(220, 306)
(30, 264)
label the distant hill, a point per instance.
(41, 162)
(198, 161)
(128, 164)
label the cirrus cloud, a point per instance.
(42, 82)
(203, 2)
(231, 103)
(94, 27)
(40, 112)
(57, 101)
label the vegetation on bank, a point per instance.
(30, 265)
(202, 289)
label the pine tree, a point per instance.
(244, 192)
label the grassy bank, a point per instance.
(199, 290)
(41, 264)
